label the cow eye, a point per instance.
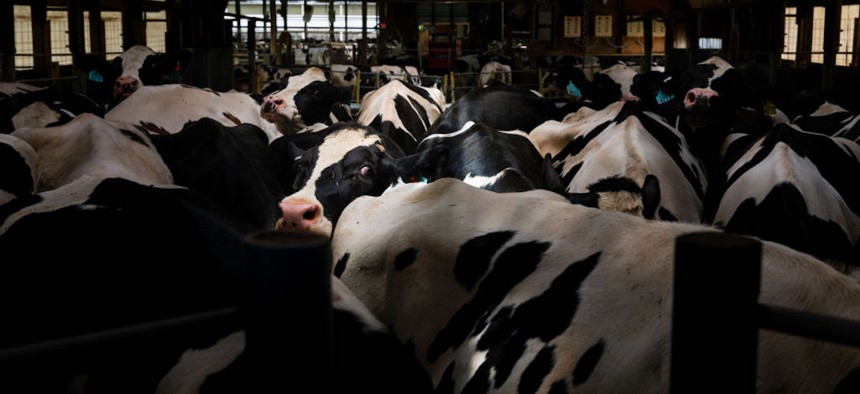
(366, 171)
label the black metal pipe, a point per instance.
(288, 310)
(810, 325)
(717, 281)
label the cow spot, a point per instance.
(232, 118)
(474, 257)
(586, 364)
(536, 371)
(340, 266)
(405, 258)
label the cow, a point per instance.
(640, 164)
(333, 167)
(495, 70)
(44, 107)
(165, 109)
(500, 106)
(138, 66)
(175, 255)
(500, 161)
(12, 88)
(93, 147)
(831, 119)
(308, 98)
(794, 187)
(206, 156)
(18, 160)
(612, 84)
(122, 233)
(402, 111)
(545, 296)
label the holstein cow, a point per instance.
(335, 166)
(178, 255)
(495, 70)
(136, 67)
(831, 119)
(793, 187)
(181, 253)
(307, 99)
(93, 147)
(233, 166)
(18, 160)
(44, 107)
(402, 111)
(12, 88)
(500, 161)
(630, 158)
(500, 106)
(165, 109)
(548, 297)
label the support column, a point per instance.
(362, 46)
(133, 28)
(648, 26)
(7, 41)
(831, 41)
(41, 35)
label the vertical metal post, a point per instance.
(714, 317)
(288, 310)
(648, 26)
(252, 56)
(98, 43)
(831, 41)
(273, 33)
(7, 41)
(362, 47)
(41, 35)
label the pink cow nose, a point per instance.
(126, 84)
(299, 214)
(272, 103)
(699, 97)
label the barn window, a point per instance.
(23, 37)
(59, 22)
(789, 50)
(818, 35)
(710, 43)
(156, 29)
(113, 34)
(850, 13)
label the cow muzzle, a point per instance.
(699, 98)
(302, 216)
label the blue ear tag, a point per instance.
(572, 90)
(662, 97)
(95, 76)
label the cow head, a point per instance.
(613, 84)
(136, 67)
(330, 169)
(308, 98)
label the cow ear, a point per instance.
(424, 164)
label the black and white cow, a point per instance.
(332, 167)
(44, 107)
(138, 66)
(495, 70)
(402, 111)
(543, 296)
(307, 99)
(631, 158)
(233, 166)
(831, 119)
(90, 146)
(165, 109)
(119, 254)
(18, 160)
(335, 166)
(118, 232)
(500, 106)
(500, 161)
(793, 187)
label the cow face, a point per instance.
(136, 67)
(308, 98)
(613, 84)
(349, 161)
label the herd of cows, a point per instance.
(501, 243)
